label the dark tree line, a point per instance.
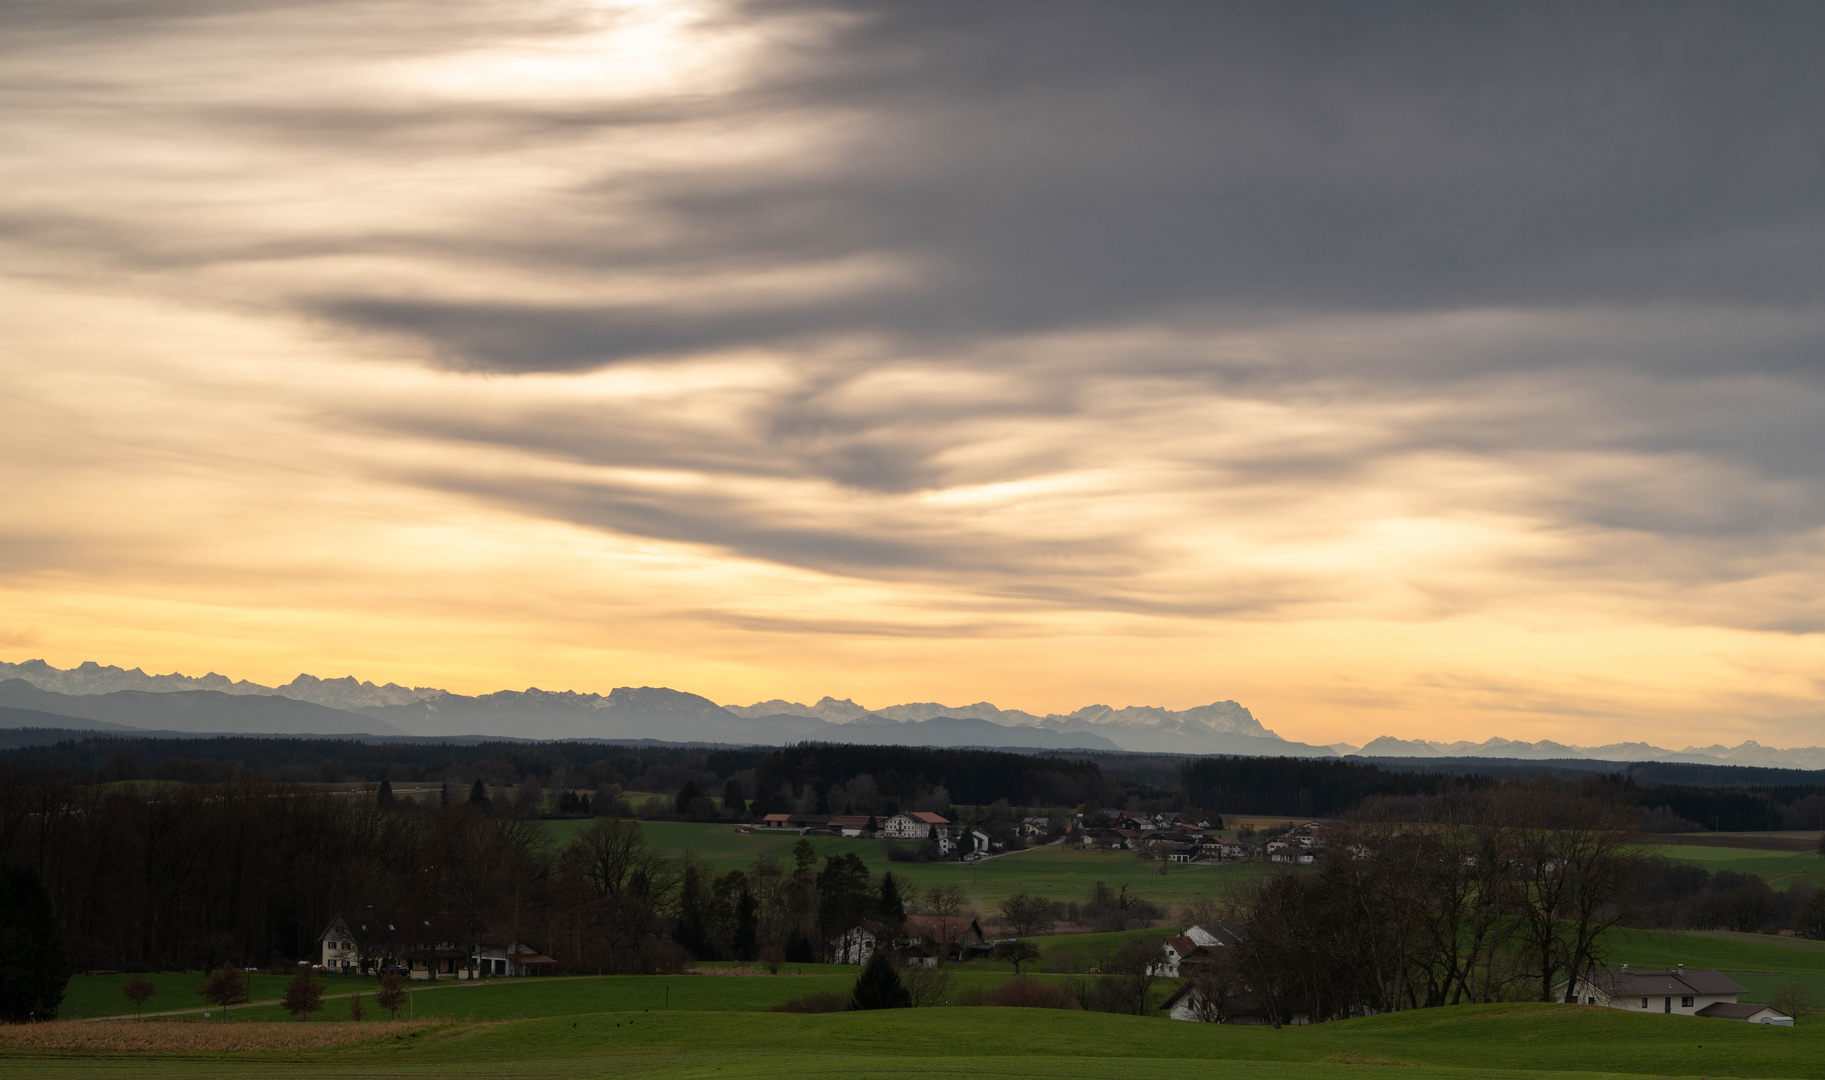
(775, 777)
(1317, 788)
(975, 777)
(191, 876)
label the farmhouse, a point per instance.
(425, 948)
(856, 825)
(1192, 953)
(932, 939)
(854, 946)
(917, 825)
(1681, 991)
(795, 822)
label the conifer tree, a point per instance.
(893, 908)
(747, 925)
(384, 797)
(879, 986)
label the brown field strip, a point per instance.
(140, 1036)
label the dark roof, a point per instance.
(1730, 1010)
(1662, 982)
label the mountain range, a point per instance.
(106, 698)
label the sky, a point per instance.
(1433, 369)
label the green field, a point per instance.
(1463, 1043)
(1708, 949)
(1780, 868)
(99, 995)
(1062, 872)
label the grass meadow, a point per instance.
(1781, 869)
(1479, 1042)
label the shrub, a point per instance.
(1026, 992)
(659, 956)
(817, 1002)
(927, 986)
(392, 997)
(1792, 998)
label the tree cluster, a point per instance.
(1504, 892)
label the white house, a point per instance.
(1173, 950)
(855, 946)
(1681, 991)
(914, 826)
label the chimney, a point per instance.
(1682, 971)
(1625, 967)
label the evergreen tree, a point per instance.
(893, 909)
(32, 973)
(443, 794)
(879, 986)
(384, 797)
(734, 800)
(478, 795)
(804, 859)
(690, 931)
(688, 794)
(747, 925)
(843, 894)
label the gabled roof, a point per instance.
(928, 928)
(1730, 1010)
(929, 818)
(1663, 982)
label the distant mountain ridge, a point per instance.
(96, 697)
(1749, 752)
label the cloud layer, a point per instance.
(1452, 365)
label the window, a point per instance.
(1592, 1000)
(1685, 1003)
(1644, 1003)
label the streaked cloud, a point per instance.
(1439, 369)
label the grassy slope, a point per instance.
(1780, 868)
(1733, 952)
(1480, 1042)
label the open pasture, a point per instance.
(1730, 952)
(1781, 869)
